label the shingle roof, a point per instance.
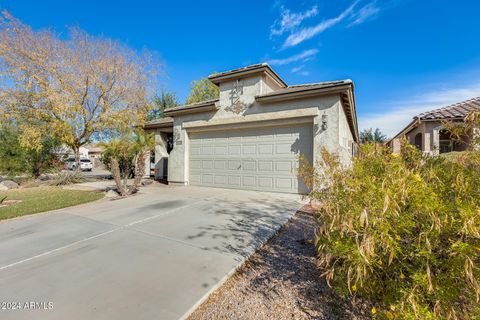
(457, 110)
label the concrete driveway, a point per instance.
(155, 255)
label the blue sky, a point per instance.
(405, 56)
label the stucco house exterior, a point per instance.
(252, 136)
(427, 132)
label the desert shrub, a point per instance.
(66, 178)
(402, 231)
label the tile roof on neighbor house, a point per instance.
(454, 111)
(457, 110)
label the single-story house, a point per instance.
(252, 136)
(94, 153)
(427, 132)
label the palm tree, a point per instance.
(121, 155)
(368, 135)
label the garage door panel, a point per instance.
(258, 159)
(265, 165)
(249, 149)
(220, 179)
(234, 181)
(196, 150)
(207, 164)
(283, 183)
(284, 166)
(266, 149)
(196, 164)
(220, 150)
(249, 181)
(207, 179)
(283, 148)
(234, 150)
(265, 182)
(207, 150)
(195, 178)
(220, 164)
(234, 165)
(249, 165)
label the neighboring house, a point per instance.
(252, 136)
(63, 152)
(94, 153)
(427, 131)
(88, 151)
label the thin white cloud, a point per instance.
(366, 12)
(289, 21)
(307, 33)
(300, 70)
(304, 56)
(398, 114)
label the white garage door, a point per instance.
(263, 159)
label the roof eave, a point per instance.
(305, 93)
(158, 125)
(193, 109)
(219, 78)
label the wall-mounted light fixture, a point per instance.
(324, 122)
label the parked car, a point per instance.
(85, 164)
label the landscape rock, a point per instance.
(52, 176)
(3, 188)
(1, 178)
(146, 182)
(43, 177)
(111, 194)
(9, 184)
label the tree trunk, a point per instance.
(116, 176)
(139, 171)
(78, 167)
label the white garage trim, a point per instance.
(264, 159)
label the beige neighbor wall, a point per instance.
(334, 137)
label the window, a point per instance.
(418, 141)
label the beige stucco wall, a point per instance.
(336, 137)
(430, 137)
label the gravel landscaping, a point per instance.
(280, 281)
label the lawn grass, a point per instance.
(35, 200)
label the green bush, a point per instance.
(15, 159)
(402, 231)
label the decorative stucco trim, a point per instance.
(263, 119)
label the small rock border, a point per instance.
(281, 281)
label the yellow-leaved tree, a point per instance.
(71, 87)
